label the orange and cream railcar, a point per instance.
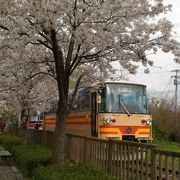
(113, 110)
(35, 122)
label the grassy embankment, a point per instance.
(166, 129)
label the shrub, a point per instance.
(159, 134)
(29, 157)
(8, 141)
(68, 172)
(167, 123)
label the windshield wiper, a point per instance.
(121, 104)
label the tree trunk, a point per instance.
(59, 144)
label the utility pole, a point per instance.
(176, 83)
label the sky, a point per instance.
(159, 79)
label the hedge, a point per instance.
(35, 162)
(8, 141)
(29, 157)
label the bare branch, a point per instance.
(45, 37)
(4, 27)
(93, 57)
(42, 62)
(155, 39)
(10, 88)
(34, 43)
(75, 58)
(6, 46)
(51, 69)
(75, 65)
(75, 91)
(90, 58)
(70, 52)
(44, 43)
(36, 74)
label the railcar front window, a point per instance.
(123, 98)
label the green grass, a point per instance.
(167, 145)
(163, 140)
(69, 172)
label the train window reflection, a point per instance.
(119, 97)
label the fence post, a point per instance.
(84, 149)
(109, 156)
(153, 164)
(68, 143)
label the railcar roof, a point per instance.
(123, 82)
(112, 82)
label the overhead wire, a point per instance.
(168, 91)
(155, 72)
(163, 91)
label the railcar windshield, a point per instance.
(36, 119)
(124, 98)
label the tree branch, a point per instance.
(4, 27)
(70, 52)
(36, 74)
(93, 57)
(44, 43)
(45, 37)
(74, 60)
(10, 88)
(6, 46)
(75, 91)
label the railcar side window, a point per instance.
(82, 100)
(102, 106)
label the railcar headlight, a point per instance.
(149, 122)
(108, 120)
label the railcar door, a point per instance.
(93, 115)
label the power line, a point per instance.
(163, 91)
(158, 72)
(155, 72)
(168, 90)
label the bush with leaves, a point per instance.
(28, 157)
(9, 141)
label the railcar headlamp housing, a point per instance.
(147, 122)
(108, 120)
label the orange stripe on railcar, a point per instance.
(135, 130)
(81, 119)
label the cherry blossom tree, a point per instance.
(85, 34)
(22, 91)
(28, 97)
